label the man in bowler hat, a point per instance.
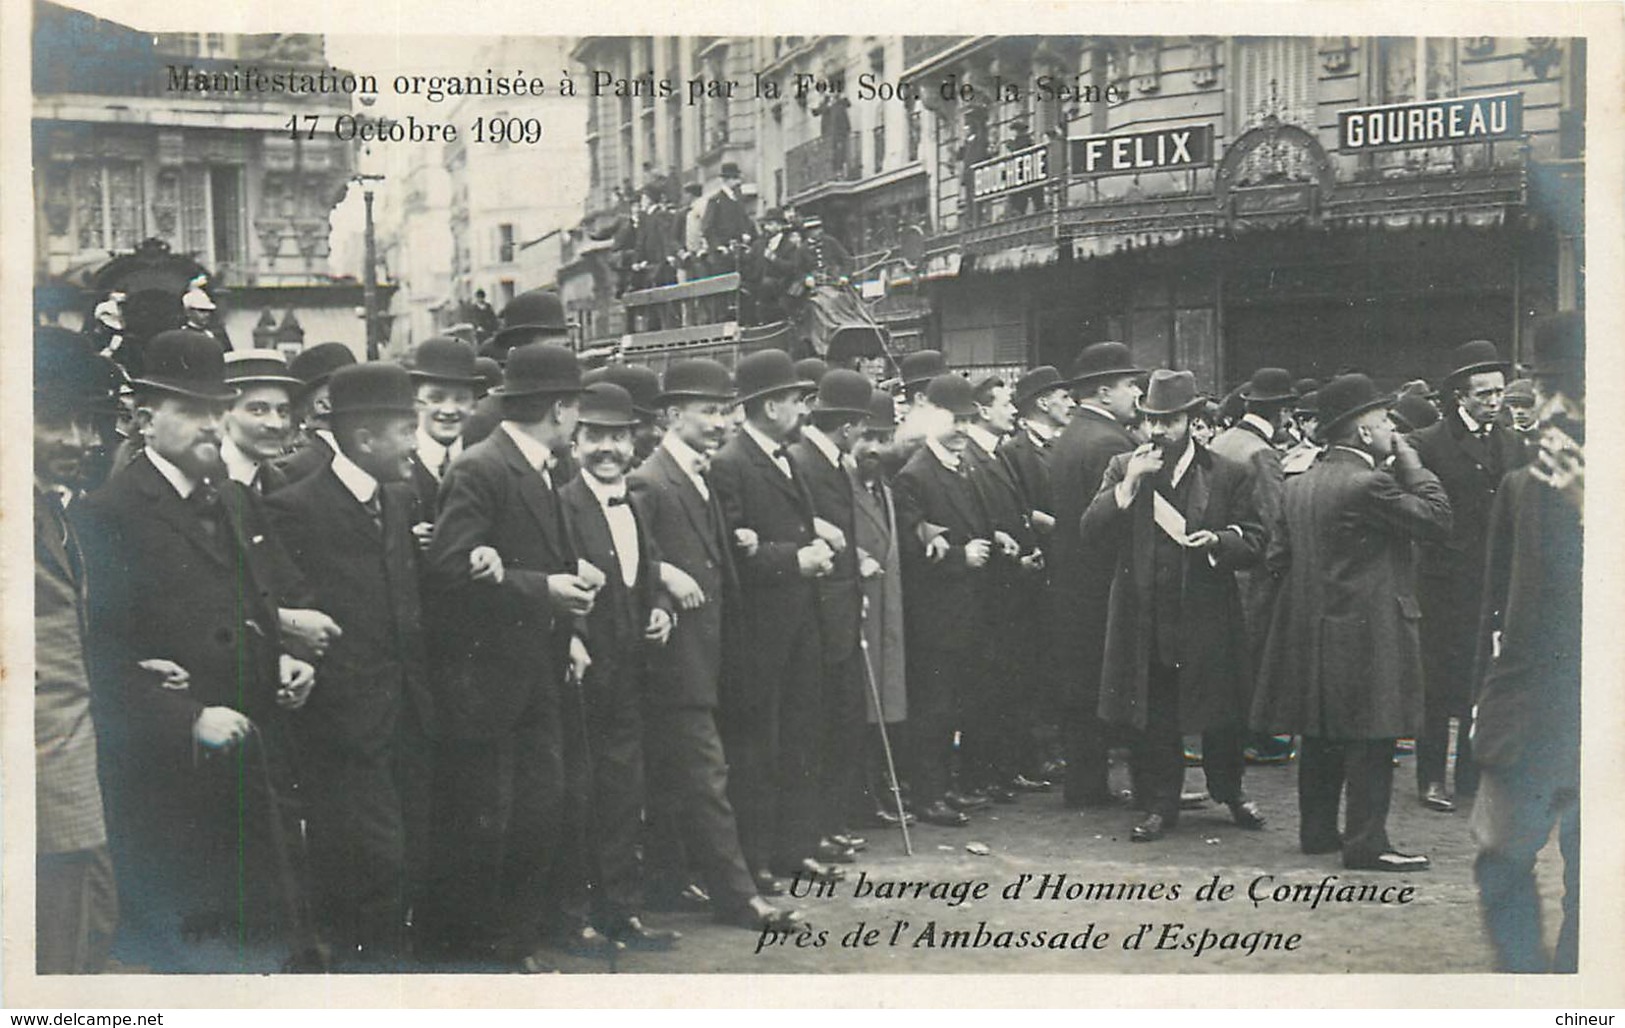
(314, 366)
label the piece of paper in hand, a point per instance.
(1167, 518)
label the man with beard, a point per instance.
(689, 811)
(192, 672)
(1105, 383)
(362, 737)
(630, 617)
(444, 378)
(76, 903)
(313, 366)
(1179, 520)
(258, 421)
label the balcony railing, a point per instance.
(822, 161)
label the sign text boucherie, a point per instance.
(1010, 172)
(1470, 119)
(1169, 149)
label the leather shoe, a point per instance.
(856, 843)
(1435, 798)
(1021, 783)
(810, 870)
(965, 801)
(687, 900)
(1151, 829)
(939, 813)
(757, 913)
(1247, 814)
(1390, 861)
(586, 941)
(634, 934)
(888, 819)
(830, 853)
(768, 884)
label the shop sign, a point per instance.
(1168, 149)
(1471, 119)
(1010, 172)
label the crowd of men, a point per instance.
(379, 665)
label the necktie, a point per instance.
(445, 462)
(205, 501)
(375, 510)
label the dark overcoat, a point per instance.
(943, 610)
(840, 601)
(876, 534)
(1244, 444)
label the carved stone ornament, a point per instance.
(1145, 65)
(1336, 53)
(1479, 46)
(1542, 55)
(1204, 62)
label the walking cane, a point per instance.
(305, 942)
(885, 741)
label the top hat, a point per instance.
(1036, 383)
(1474, 356)
(490, 373)
(696, 379)
(920, 367)
(1099, 360)
(843, 391)
(953, 393)
(812, 370)
(68, 371)
(882, 411)
(1560, 346)
(245, 366)
(607, 405)
(372, 388)
(444, 359)
(540, 369)
(188, 363)
(730, 170)
(639, 381)
(1269, 385)
(1414, 412)
(315, 364)
(1345, 397)
(535, 312)
(1170, 392)
(765, 373)
(1521, 393)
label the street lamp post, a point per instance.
(369, 275)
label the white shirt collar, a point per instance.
(535, 454)
(1041, 432)
(1265, 429)
(983, 438)
(768, 446)
(433, 454)
(688, 459)
(603, 492)
(947, 457)
(1372, 461)
(326, 436)
(822, 443)
(1184, 462)
(1471, 422)
(180, 480)
(1096, 408)
(240, 467)
(361, 485)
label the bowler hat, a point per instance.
(843, 391)
(696, 379)
(1560, 346)
(490, 373)
(1474, 356)
(920, 367)
(1305, 385)
(540, 369)
(812, 370)
(245, 366)
(1099, 360)
(315, 364)
(1414, 412)
(764, 373)
(730, 170)
(774, 214)
(1036, 383)
(607, 405)
(953, 393)
(188, 363)
(536, 312)
(1268, 385)
(444, 359)
(373, 388)
(1170, 392)
(639, 381)
(1308, 403)
(68, 371)
(882, 410)
(1345, 397)
(591, 375)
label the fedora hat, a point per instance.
(444, 359)
(1345, 397)
(536, 312)
(1098, 360)
(812, 370)
(1036, 383)
(246, 366)
(639, 381)
(187, 363)
(920, 367)
(607, 405)
(1269, 385)
(953, 393)
(696, 379)
(765, 373)
(1560, 346)
(882, 410)
(373, 388)
(315, 364)
(540, 369)
(842, 391)
(1170, 392)
(68, 372)
(1472, 357)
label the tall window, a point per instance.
(226, 214)
(505, 243)
(1275, 78)
(109, 206)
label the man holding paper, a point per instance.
(1181, 520)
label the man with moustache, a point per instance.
(687, 775)
(1105, 384)
(771, 707)
(196, 684)
(313, 366)
(630, 617)
(76, 901)
(1178, 520)
(822, 461)
(1044, 407)
(362, 736)
(643, 385)
(258, 421)
(946, 542)
(1470, 453)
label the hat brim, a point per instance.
(863, 413)
(535, 330)
(680, 395)
(1505, 367)
(793, 387)
(1108, 373)
(283, 380)
(165, 385)
(541, 390)
(1328, 427)
(1163, 411)
(606, 422)
(1273, 398)
(431, 376)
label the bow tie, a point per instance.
(616, 501)
(781, 454)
